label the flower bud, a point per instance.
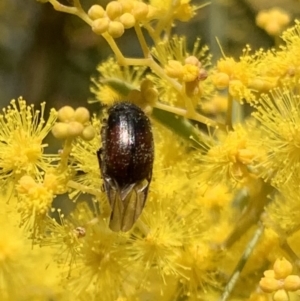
(146, 84)
(262, 18)
(282, 268)
(115, 29)
(140, 10)
(74, 129)
(25, 184)
(82, 115)
(281, 295)
(127, 20)
(174, 69)
(114, 9)
(127, 5)
(220, 80)
(269, 285)
(192, 60)
(151, 96)
(273, 28)
(60, 130)
(96, 11)
(292, 283)
(100, 26)
(88, 133)
(66, 113)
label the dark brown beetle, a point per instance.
(126, 160)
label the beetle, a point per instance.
(126, 162)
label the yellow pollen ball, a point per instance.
(262, 18)
(88, 133)
(74, 129)
(127, 20)
(60, 130)
(100, 26)
(127, 5)
(273, 28)
(146, 84)
(114, 9)
(282, 268)
(25, 184)
(192, 60)
(174, 69)
(292, 283)
(82, 115)
(140, 10)
(190, 73)
(220, 80)
(269, 285)
(66, 113)
(115, 29)
(96, 11)
(151, 96)
(281, 295)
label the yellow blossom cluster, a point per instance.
(279, 159)
(245, 78)
(21, 140)
(223, 201)
(34, 201)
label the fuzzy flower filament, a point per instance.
(34, 202)
(22, 130)
(280, 126)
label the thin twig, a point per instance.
(237, 271)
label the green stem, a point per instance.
(65, 154)
(142, 41)
(194, 116)
(243, 260)
(74, 10)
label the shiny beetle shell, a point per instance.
(126, 160)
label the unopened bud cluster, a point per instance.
(119, 15)
(190, 71)
(273, 21)
(73, 123)
(279, 281)
(146, 96)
